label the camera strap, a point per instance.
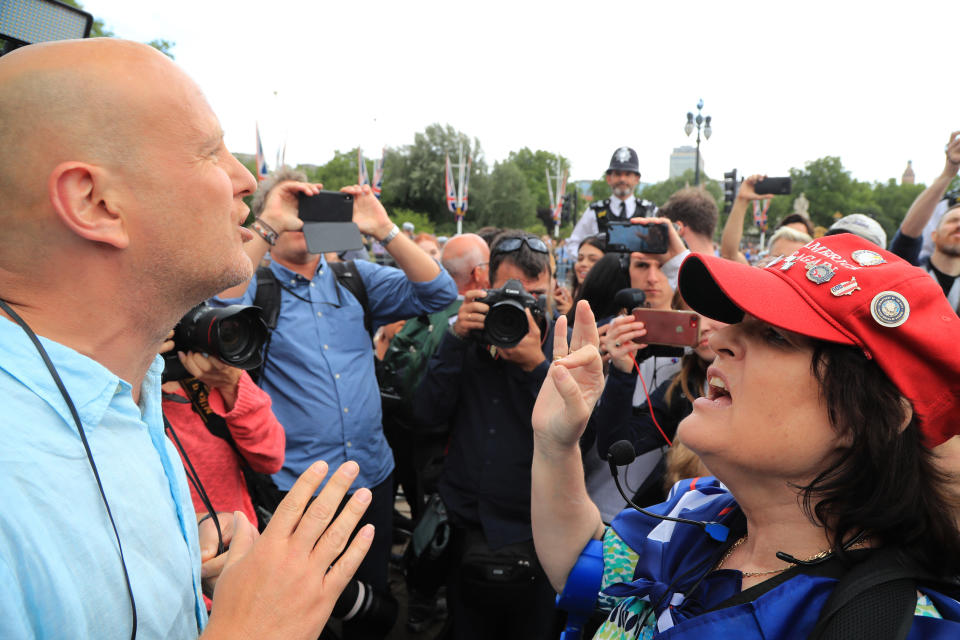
(86, 446)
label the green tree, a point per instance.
(600, 190)
(414, 174)
(510, 202)
(340, 171)
(659, 192)
(534, 166)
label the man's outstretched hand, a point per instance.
(284, 583)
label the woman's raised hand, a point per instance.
(573, 384)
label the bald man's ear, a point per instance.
(77, 195)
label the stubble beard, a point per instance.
(622, 192)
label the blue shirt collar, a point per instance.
(91, 385)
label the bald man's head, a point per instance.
(461, 255)
(114, 160)
(78, 100)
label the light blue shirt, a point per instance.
(320, 370)
(60, 570)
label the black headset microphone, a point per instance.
(620, 454)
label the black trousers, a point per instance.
(529, 616)
(374, 570)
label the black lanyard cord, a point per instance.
(194, 478)
(83, 438)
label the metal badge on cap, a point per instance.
(890, 309)
(788, 262)
(623, 154)
(845, 288)
(867, 258)
(820, 273)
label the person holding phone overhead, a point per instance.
(319, 369)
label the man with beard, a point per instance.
(944, 263)
(623, 176)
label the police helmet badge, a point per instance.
(623, 155)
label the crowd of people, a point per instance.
(784, 466)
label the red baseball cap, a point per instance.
(845, 289)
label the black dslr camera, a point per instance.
(235, 334)
(506, 322)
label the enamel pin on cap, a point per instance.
(787, 262)
(845, 288)
(890, 309)
(820, 273)
(867, 258)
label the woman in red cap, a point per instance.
(828, 515)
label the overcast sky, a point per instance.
(876, 83)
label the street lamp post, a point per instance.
(707, 131)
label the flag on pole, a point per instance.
(362, 177)
(378, 173)
(760, 213)
(451, 188)
(557, 210)
(466, 184)
(261, 161)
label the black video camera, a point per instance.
(506, 322)
(235, 334)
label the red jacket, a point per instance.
(255, 429)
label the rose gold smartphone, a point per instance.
(677, 328)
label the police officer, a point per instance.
(623, 176)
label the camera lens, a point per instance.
(506, 324)
(232, 336)
(235, 334)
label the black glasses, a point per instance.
(509, 245)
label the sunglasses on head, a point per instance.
(509, 245)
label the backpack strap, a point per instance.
(268, 298)
(349, 278)
(875, 599)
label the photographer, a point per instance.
(319, 369)
(219, 393)
(487, 393)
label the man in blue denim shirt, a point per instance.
(320, 368)
(121, 210)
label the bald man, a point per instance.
(121, 210)
(466, 258)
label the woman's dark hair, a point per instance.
(575, 284)
(606, 277)
(887, 483)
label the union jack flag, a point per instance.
(261, 160)
(362, 177)
(760, 213)
(378, 174)
(466, 183)
(559, 208)
(451, 188)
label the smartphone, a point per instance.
(645, 238)
(776, 186)
(676, 328)
(328, 222)
(326, 206)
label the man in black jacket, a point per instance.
(487, 395)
